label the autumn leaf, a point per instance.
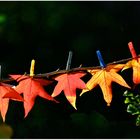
(104, 78)
(68, 83)
(6, 93)
(134, 64)
(31, 88)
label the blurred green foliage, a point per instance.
(133, 107)
(92, 125)
(2, 18)
(6, 131)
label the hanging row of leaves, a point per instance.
(31, 85)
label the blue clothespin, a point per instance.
(101, 61)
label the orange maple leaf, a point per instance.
(104, 78)
(134, 64)
(69, 82)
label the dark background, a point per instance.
(46, 31)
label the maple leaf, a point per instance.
(134, 64)
(68, 83)
(104, 78)
(31, 88)
(7, 90)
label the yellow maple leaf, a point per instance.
(104, 78)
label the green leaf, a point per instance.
(138, 121)
(132, 98)
(127, 100)
(127, 93)
(137, 98)
(132, 109)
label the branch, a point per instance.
(84, 69)
(79, 69)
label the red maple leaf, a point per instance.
(69, 82)
(7, 91)
(31, 88)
